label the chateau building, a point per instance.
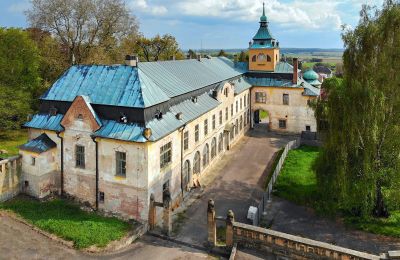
(112, 136)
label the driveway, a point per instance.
(235, 182)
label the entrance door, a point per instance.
(257, 116)
(227, 140)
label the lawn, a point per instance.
(297, 181)
(68, 221)
(10, 140)
(263, 114)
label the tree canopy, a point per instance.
(158, 48)
(359, 169)
(19, 77)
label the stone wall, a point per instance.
(10, 178)
(292, 247)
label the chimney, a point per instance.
(131, 60)
(295, 70)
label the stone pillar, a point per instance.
(167, 220)
(152, 213)
(211, 224)
(230, 218)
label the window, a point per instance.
(237, 106)
(165, 154)
(282, 123)
(205, 127)
(286, 99)
(101, 197)
(226, 113)
(220, 117)
(236, 127)
(120, 158)
(33, 161)
(206, 155)
(196, 163)
(186, 140)
(254, 58)
(261, 97)
(186, 173)
(80, 156)
(231, 109)
(213, 122)
(232, 133)
(245, 99)
(213, 148)
(196, 133)
(226, 91)
(241, 123)
(245, 118)
(268, 58)
(80, 117)
(261, 57)
(220, 142)
(308, 128)
(241, 104)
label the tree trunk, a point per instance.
(380, 208)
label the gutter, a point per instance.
(97, 171)
(182, 132)
(62, 162)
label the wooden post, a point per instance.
(152, 213)
(211, 224)
(230, 218)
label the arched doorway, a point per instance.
(186, 173)
(206, 156)
(262, 119)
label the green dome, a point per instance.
(310, 75)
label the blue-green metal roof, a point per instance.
(117, 85)
(40, 144)
(127, 132)
(281, 67)
(263, 33)
(241, 85)
(46, 122)
(261, 46)
(269, 82)
(310, 75)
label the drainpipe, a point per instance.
(97, 171)
(182, 132)
(62, 162)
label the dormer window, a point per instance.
(158, 115)
(80, 117)
(123, 119)
(53, 111)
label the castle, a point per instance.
(112, 136)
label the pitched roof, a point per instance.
(46, 122)
(148, 84)
(322, 69)
(40, 144)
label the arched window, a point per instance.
(186, 173)
(237, 127)
(261, 57)
(196, 163)
(276, 57)
(269, 58)
(206, 155)
(220, 143)
(213, 148)
(254, 58)
(241, 123)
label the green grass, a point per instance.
(10, 140)
(383, 226)
(297, 181)
(263, 114)
(221, 236)
(69, 222)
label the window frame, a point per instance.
(196, 133)
(220, 117)
(165, 155)
(260, 97)
(205, 127)
(283, 126)
(213, 123)
(285, 99)
(120, 164)
(186, 140)
(80, 161)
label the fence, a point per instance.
(267, 194)
(10, 173)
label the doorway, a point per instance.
(262, 119)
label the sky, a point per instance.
(229, 24)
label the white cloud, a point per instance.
(143, 6)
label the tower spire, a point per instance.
(263, 8)
(263, 18)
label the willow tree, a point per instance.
(359, 168)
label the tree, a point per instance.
(243, 56)
(19, 76)
(158, 48)
(83, 25)
(222, 53)
(192, 54)
(360, 165)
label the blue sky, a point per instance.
(231, 23)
